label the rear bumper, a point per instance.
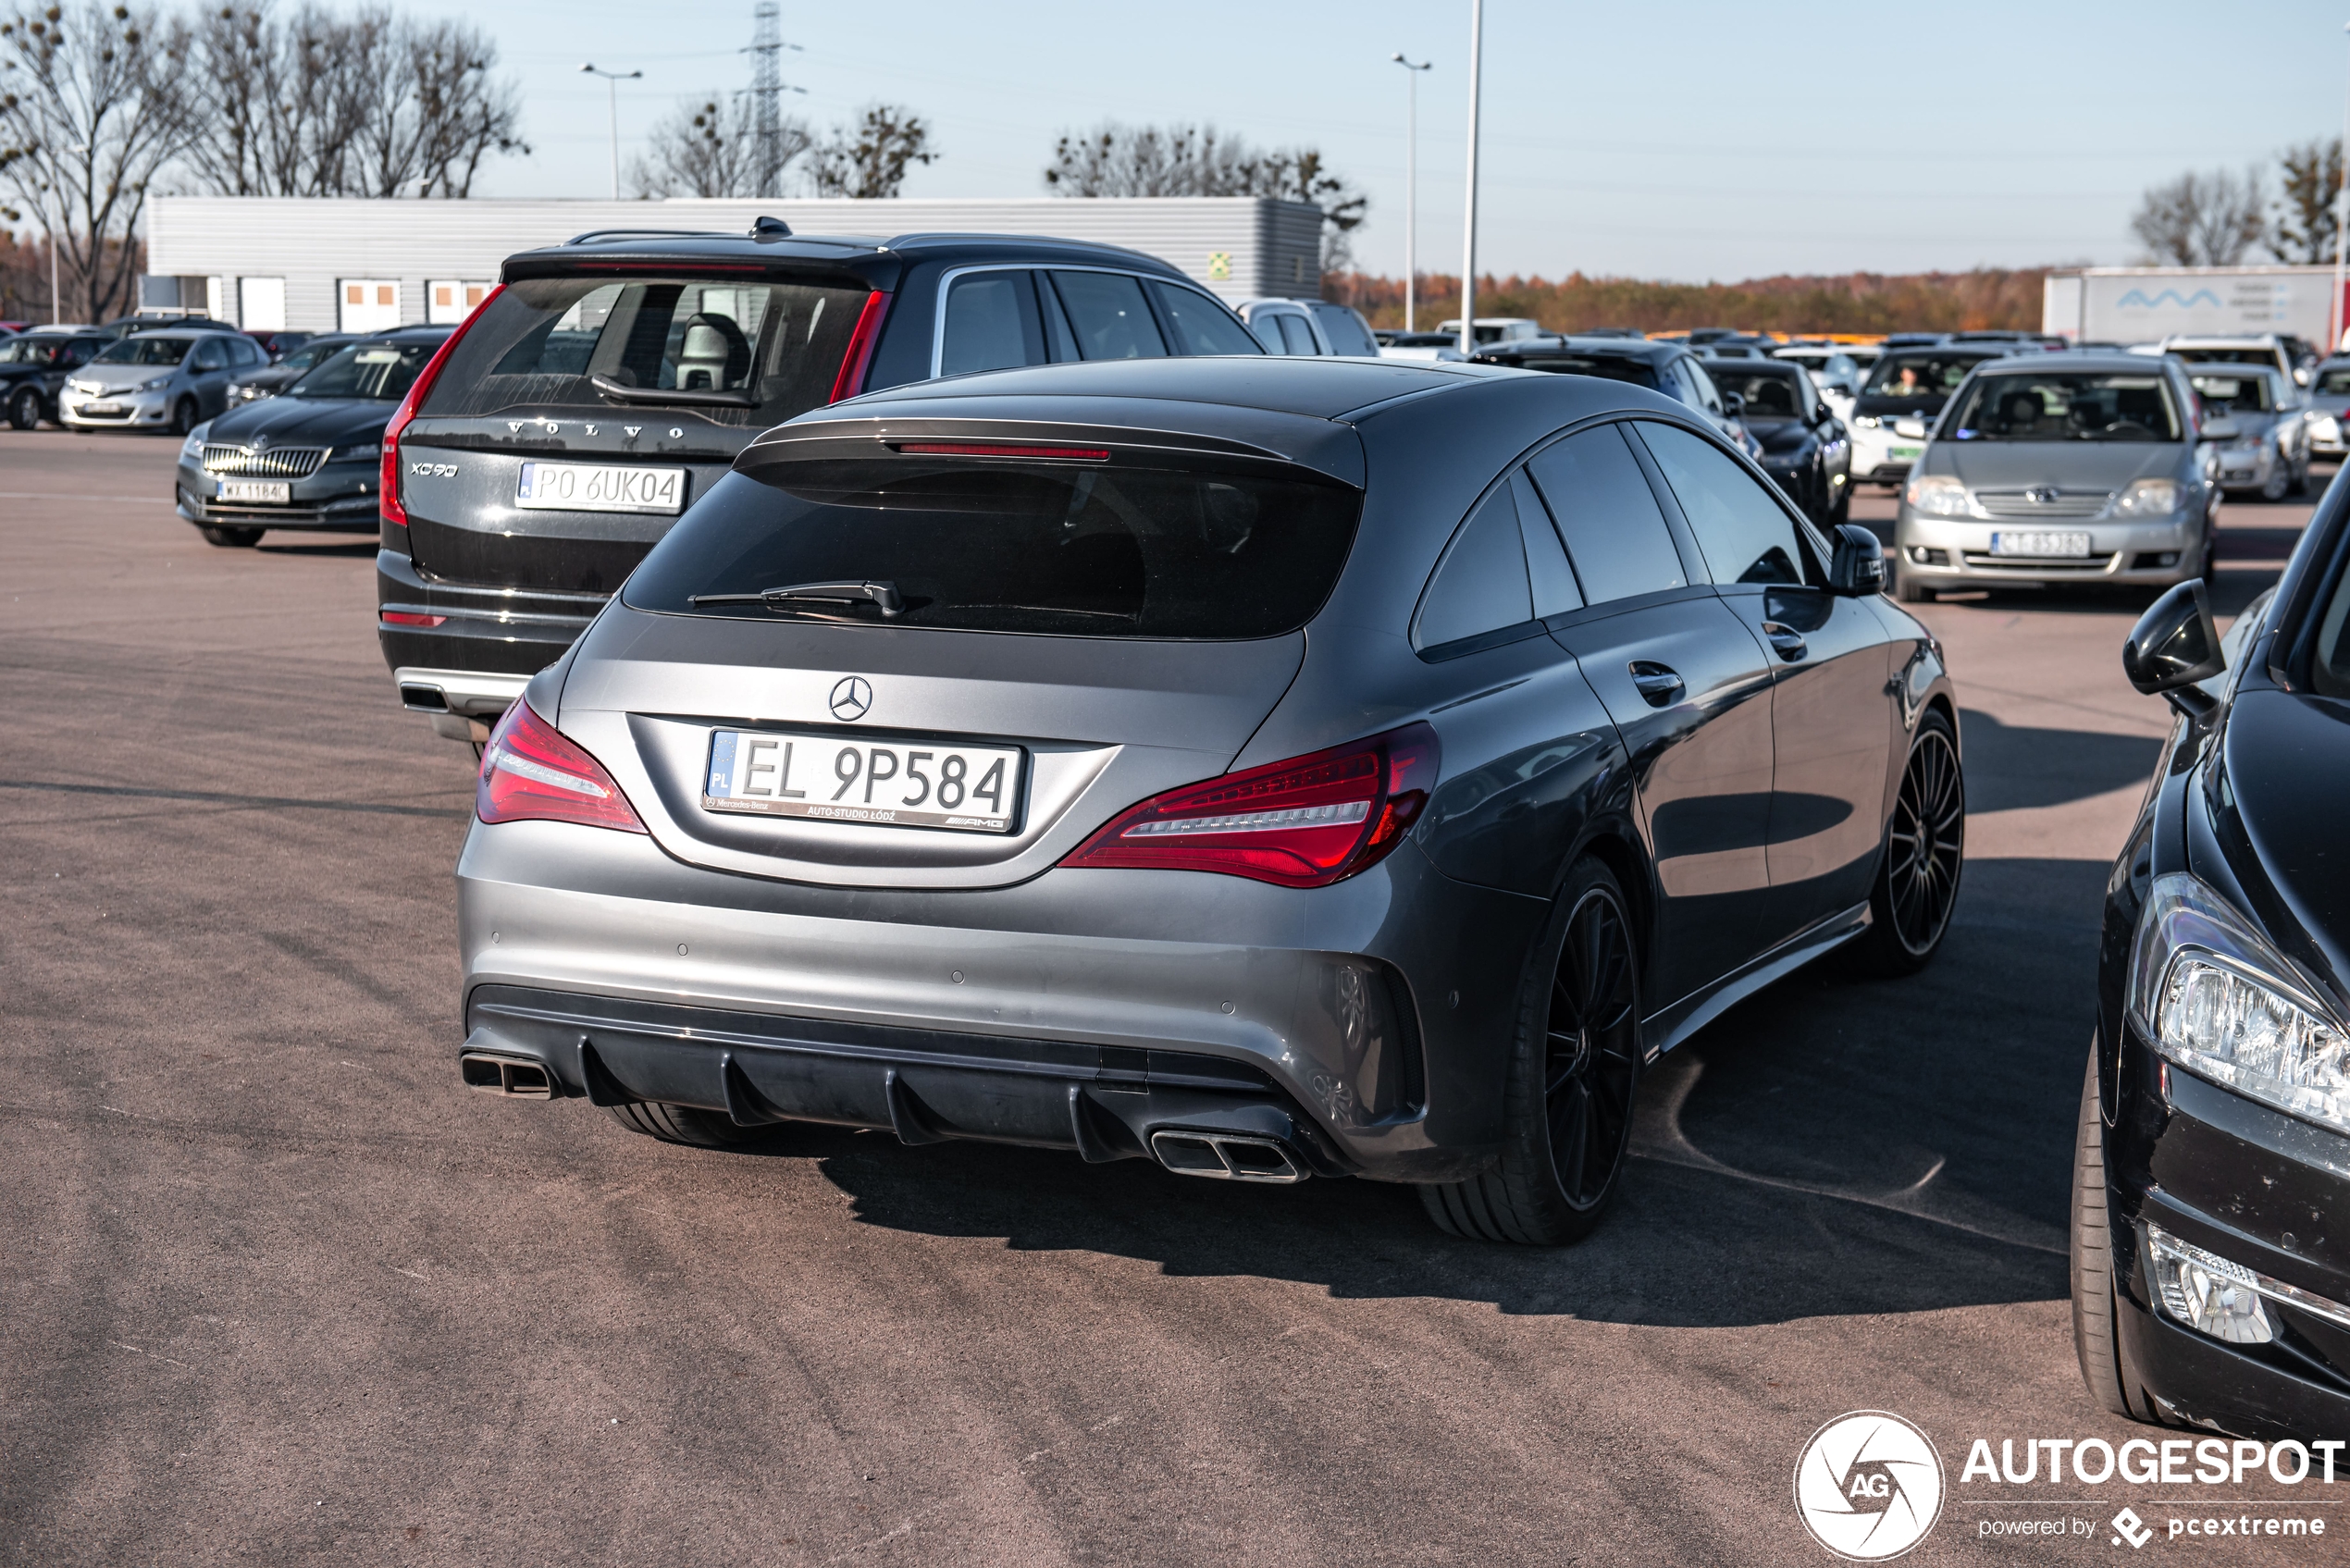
(1377, 1014)
(488, 643)
(2258, 1187)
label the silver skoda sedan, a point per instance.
(2059, 468)
(1297, 767)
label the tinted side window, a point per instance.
(1298, 336)
(1109, 316)
(1614, 531)
(1344, 330)
(1204, 326)
(1546, 569)
(1746, 535)
(1480, 585)
(991, 324)
(211, 354)
(1707, 397)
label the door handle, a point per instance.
(1659, 684)
(1786, 639)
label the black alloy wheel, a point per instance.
(24, 409)
(1573, 1080)
(1917, 882)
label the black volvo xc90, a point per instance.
(2211, 1183)
(611, 381)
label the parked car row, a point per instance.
(1023, 722)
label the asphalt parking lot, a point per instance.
(277, 1289)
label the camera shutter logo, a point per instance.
(1869, 1486)
(852, 699)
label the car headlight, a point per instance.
(2147, 498)
(87, 389)
(2214, 997)
(157, 385)
(2250, 441)
(368, 453)
(1865, 422)
(191, 450)
(1940, 495)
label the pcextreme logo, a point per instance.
(1869, 1486)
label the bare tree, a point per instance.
(93, 105)
(1188, 160)
(2202, 219)
(2310, 178)
(872, 157)
(703, 149)
(310, 103)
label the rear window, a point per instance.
(1081, 550)
(2334, 383)
(767, 350)
(1639, 372)
(1767, 396)
(2243, 354)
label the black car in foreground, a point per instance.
(33, 367)
(1805, 446)
(610, 382)
(308, 459)
(2211, 1182)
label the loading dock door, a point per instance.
(370, 304)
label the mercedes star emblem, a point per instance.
(852, 699)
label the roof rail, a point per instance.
(645, 234)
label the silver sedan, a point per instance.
(2059, 468)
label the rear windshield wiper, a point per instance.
(883, 595)
(619, 392)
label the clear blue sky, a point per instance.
(1682, 140)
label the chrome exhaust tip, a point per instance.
(1223, 1156)
(517, 1078)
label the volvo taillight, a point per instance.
(532, 772)
(388, 505)
(850, 380)
(1306, 822)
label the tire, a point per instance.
(1907, 589)
(2103, 1359)
(1917, 877)
(2209, 570)
(688, 1125)
(2300, 486)
(1573, 1071)
(185, 416)
(24, 409)
(228, 537)
(2279, 480)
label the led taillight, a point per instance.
(983, 449)
(1305, 823)
(389, 506)
(532, 772)
(862, 339)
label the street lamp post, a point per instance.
(1411, 179)
(2334, 323)
(611, 85)
(1469, 243)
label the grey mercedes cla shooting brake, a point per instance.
(1270, 768)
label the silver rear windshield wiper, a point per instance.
(883, 595)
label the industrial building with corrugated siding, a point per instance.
(345, 263)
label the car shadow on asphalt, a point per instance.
(351, 548)
(1836, 1145)
(2014, 766)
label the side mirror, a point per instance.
(2219, 429)
(1911, 428)
(2174, 645)
(1734, 405)
(1822, 414)
(1859, 567)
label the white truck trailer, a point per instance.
(2140, 305)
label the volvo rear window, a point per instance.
(1071, 548)
(743, 354)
